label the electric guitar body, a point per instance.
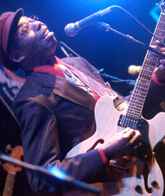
(133, 184)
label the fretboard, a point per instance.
(151, 60)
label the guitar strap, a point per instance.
(64, 89)
(72, 85)
(66, 86)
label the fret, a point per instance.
(148, 70)
(151, 60)
(135, 116)
(126, 121)
(134, 111)
(143, 84)
(141, 88)
(137, 99)
(140, 94)
(137, 92)
(150, 65)
(160, 34)
(145, 78)
(160, 37)
(161, 22)
(136, 104)
(161, 26)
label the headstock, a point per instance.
(17, 153)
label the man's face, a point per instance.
(33, 37)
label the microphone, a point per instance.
(134, 69)
(73, 28)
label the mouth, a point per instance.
(48, 35)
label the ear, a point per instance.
(16, 57)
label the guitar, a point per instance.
(145, 177)
(16, 152)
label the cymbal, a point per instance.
(9, 127)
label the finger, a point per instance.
(158, 43)
(136, 137)
(128, 133)
(162, 50)
(155, 44)
(158, 46)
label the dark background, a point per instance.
(104, 50)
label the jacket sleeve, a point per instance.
(155, 101)
(42, 147)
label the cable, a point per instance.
(134, 18)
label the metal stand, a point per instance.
(107, 28)
(57, 177)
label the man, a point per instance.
(55, 106)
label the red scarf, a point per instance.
(56, 70)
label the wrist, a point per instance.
(103, 156)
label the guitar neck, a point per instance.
(151, 60)
(9, 185)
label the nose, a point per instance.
(37, 24)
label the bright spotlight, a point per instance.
(155, 12)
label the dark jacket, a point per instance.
(47, 135)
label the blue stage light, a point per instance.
(155, 13)
(57, 172)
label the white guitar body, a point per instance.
(107, 116)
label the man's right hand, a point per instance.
(122, 143)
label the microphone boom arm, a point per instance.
(107, 28)
(60, 176)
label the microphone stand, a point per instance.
(107, 28)
(115, 79)
(63, 44)
(58, 176)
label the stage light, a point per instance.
(155, 12)
(56, 172)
